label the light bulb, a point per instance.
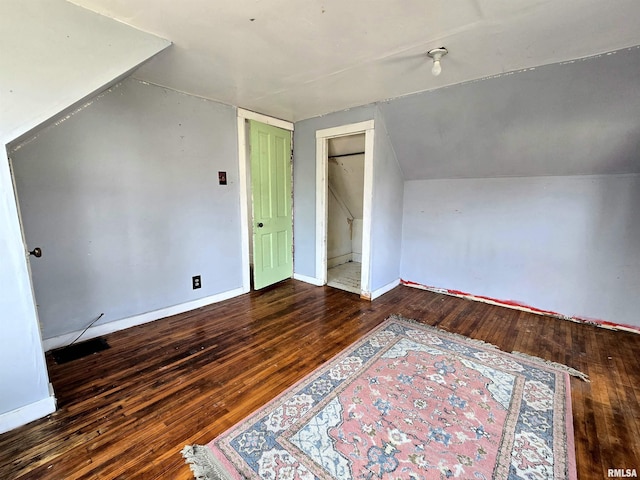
(436, 54)
(436, 69)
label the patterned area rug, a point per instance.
(407, 401)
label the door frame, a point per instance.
(322, 209)
(245, 187)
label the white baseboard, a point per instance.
(306, 279)
(28, 413)
(106, 328)
(356, 257)
(382, 290)
(339, 260)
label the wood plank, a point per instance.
(128, 411)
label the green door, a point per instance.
(272, 212)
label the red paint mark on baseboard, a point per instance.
(523, 306)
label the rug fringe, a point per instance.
(571, 371)
(203, 465)
(444, 333)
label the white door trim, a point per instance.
(243, 116)
(322, 185)
(274, 122)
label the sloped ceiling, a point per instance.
(55, 54)
(579, 118)
(296, 60)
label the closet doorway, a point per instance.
(344, 161)
(345, 199)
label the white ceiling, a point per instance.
(297, 59)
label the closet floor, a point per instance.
(345, 277)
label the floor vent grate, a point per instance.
(79, 350)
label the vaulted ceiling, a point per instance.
(54, 54)
(297, 59)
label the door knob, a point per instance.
(260, 225)
(36, 252)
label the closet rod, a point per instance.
(346, 155)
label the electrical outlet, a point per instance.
(196, 281)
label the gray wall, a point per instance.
(386, 207)
(386, 204)
(53, 55)
(546, 217)
(570, 245)
(304, 183)
(124, 201)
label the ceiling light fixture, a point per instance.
(437, 54)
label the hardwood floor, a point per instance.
(128, 411)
